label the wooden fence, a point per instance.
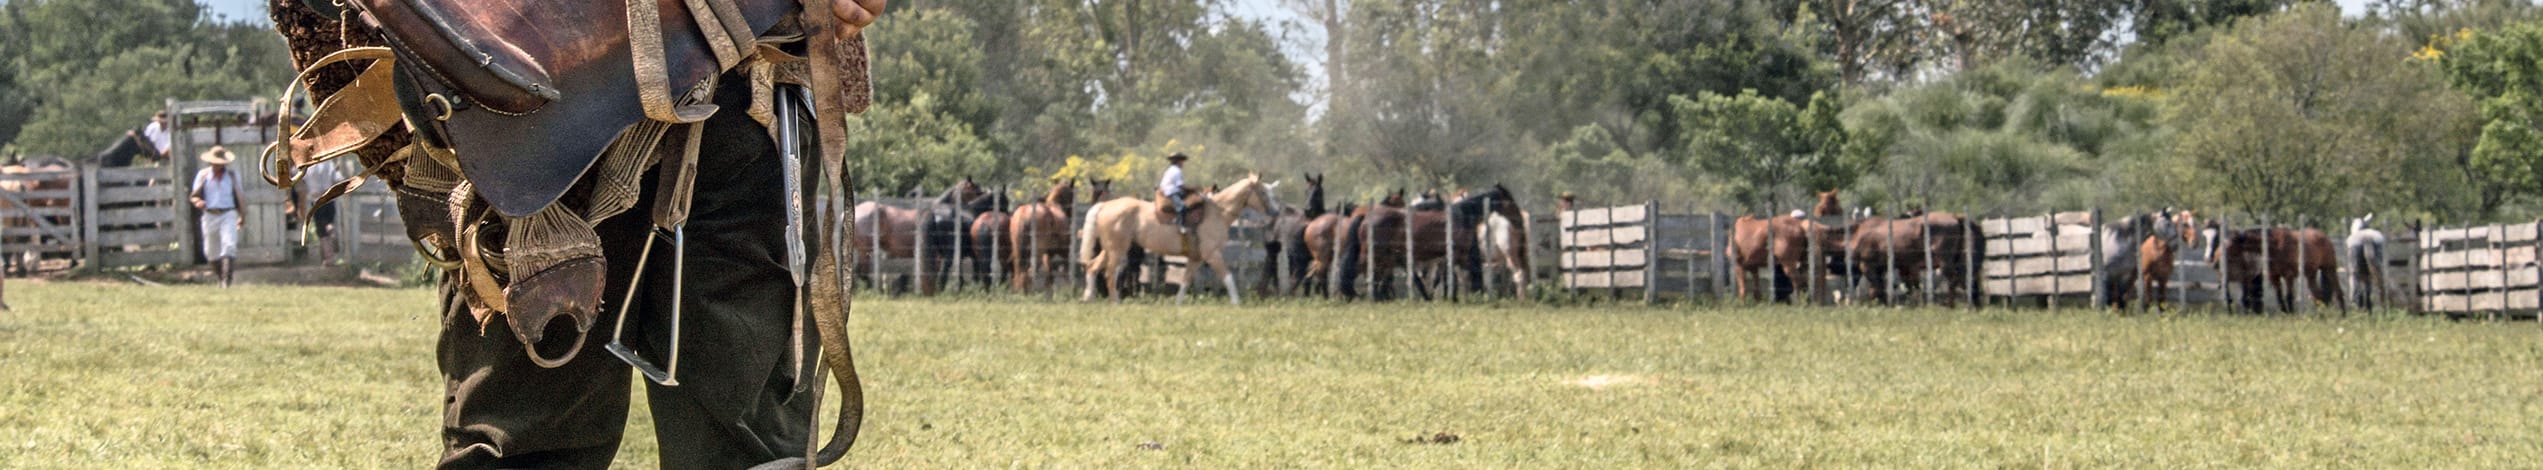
(2485, 270)
(1638, 249)
(140, 218)
(2047, 256)
(39, 219)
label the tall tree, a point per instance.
(2503, 72)
(1760, 148)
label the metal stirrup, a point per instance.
(679, 276)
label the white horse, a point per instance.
(2366, 261)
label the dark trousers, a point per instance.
(739, 402)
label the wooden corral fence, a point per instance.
(39, 219)
(368, 229)
(2482, 270)
(1636, 249)
(2046, 257)
(140, 218)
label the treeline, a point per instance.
(2418, 108)
(76, 74)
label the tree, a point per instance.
(2502, 71)
(1760, 147)
(2304, 112)
(81, 72)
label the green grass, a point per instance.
(333, 377)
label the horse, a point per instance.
(989, 233)
(1288, 241)
(2160, 252)
(2366, 261)
(1356, 248)
(896, 231)
(1323, 242)
(1503, 238)
(129, 148)
(2123, 247)
(1115, 227)
(2240, 254)
(1432, 241)
(1908, 248)
(1786, 241)
(1828, 205)
(1429, 200)
(1038, 234)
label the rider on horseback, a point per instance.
(1171, 186)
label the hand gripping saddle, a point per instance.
(515, 104)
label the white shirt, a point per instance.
(218, 193)
(157, 135)
(1173, 182)
(320, 177)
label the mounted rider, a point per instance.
(1171, 188)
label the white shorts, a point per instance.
(220, 234)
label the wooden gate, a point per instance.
(39, 219)
(2480, 270)
(139, 218)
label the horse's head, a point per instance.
(2214, 239)
(1828, 204)
(1063, 193)
(1099, 189)
(1394, 198)
(1249, 193)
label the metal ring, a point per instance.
(436, 99)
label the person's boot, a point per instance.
(224, 265)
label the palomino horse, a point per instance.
(1289, 240)
(1038, 235)
(2289, 255)
(897, 229)
(1786, 241)
(2366, 261)
(1504, 240)
(2160, 252)
(1115, 227)
(1911, 247)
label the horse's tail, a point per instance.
(1086, 236)
(1349, 257)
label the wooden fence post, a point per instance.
(2093, 260)
(1651, 252)
(88, 218)
(1971, 272)
(2056, 254)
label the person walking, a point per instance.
(216, 195)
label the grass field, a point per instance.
(190, 377)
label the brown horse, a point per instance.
(1324, 235)
(1038, 236)
(1828, 205)
(1433, 243)
(2157, 256)
(2288, 255)
(987, 246)
(1786, 242)
(1911, 247)
(1116, 226)
(895, 231)
(1356, 250)
(1288, 241)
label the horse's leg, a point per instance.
(1227, 279)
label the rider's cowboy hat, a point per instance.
(1177, 157)
(216, 156)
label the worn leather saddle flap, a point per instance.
(548, 83)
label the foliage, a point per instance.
(81, 72)
(912, 145)
(2304, 112)
(2503, 72)
(1762, 147)
(2010, 128)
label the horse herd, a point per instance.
(2139, 256)
(1449, 246)
(1470, 232)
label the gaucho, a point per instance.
(565, 163)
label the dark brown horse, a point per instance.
(1373, 245)
(1038, 237)
(1910, 248)
(987, 246)
(1462, 249)
(2287, 255)
(895, 231)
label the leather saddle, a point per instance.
(1193, 201)
(541, 88)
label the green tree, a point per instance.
(2304, 112)
(2502, 70)
(81, 72)
(1765, 149)
(912, 144)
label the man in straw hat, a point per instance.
(216, 195)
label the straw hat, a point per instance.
(216, 156)
(1177, 157)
